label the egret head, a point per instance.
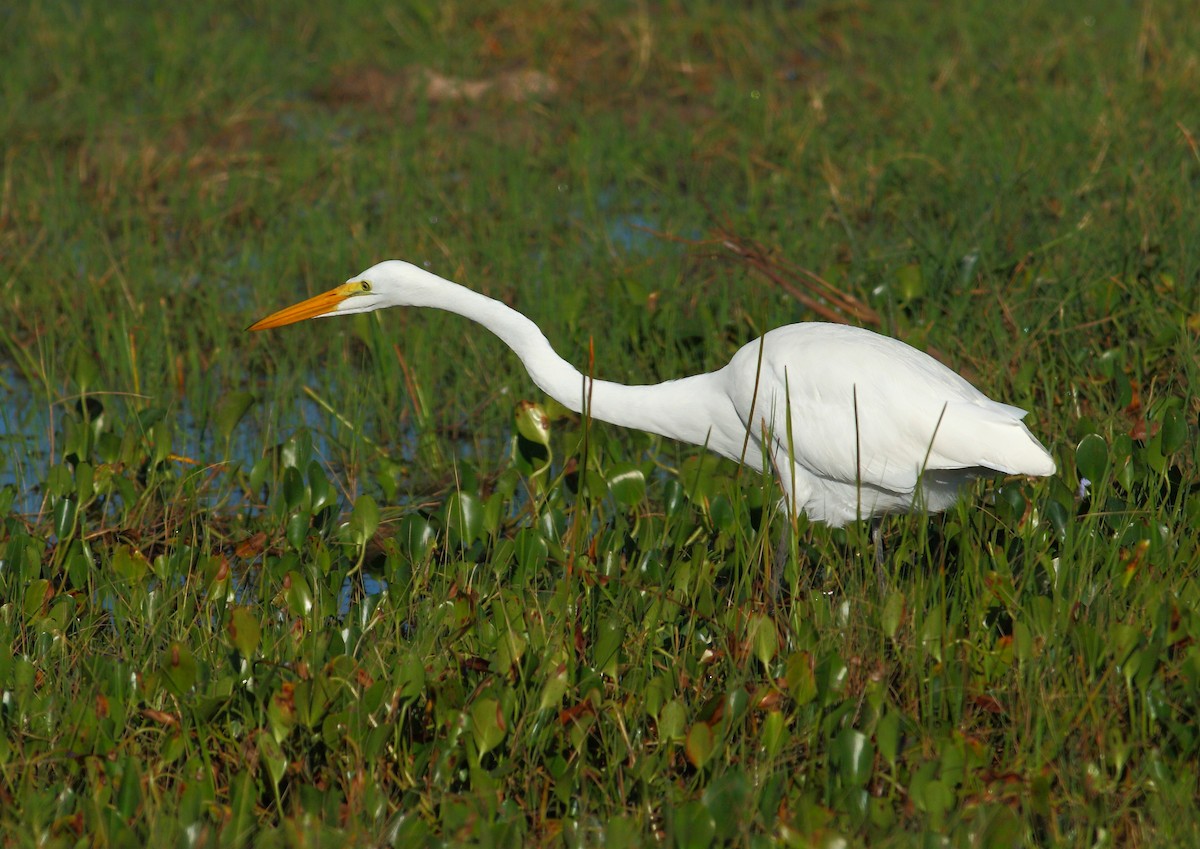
(388, 284)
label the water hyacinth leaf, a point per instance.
(272, 757)
(319, 489)
(887, 737)
(726, 798)
(244, 631)
(699, 744)
(720, 513)
(364, 519)
(831, 675)
(774, 733)
(698, 475)
(59, 482)
(627, 483)
(532, 423)
(64, 518)
(296, 530)
(801, 679)
(764, 637)
(693, 826)
(241, 821)
(1174, 430)
(230, 411)
(37, 593)
(294, 490)
(296, 451)
(129, 563)
(609, 637)
(463, 517)
(417, 537)
(853, 755)
(298, 594)
(84, 478)
(555, 689)
(487, 725)
(672, 721)
(1091, 457)
(178, 668)
(674, 499)
(531, 550)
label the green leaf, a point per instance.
(487, 725)
(272, 757)
(531, 550)
(671, 721)
(698, 475)
(610, 634)
(416, 536)
(364, 519)
(1174, 431)
(726, 799)
(1091, 457)
(699, 744)
(244, 631)
(129, 564)
(463, 518)
(178, 667)
(627, 483)
(240, 826)
(853, 755)
(693, 826)
(294, 490)
(230, 411)
(764, 637)
(64, 519)
(532, 423)
(296, 530)
(887, 737)
(555, 689)
(801, 679)
(298, 594)
(319, 489)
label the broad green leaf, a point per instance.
(532, 423)
(699, 744)
(487, 725)
(244, 631)
(364, 519)
(230, 411)
(693, 826)
(463, 518)
(853, 755)
(627, 483)
(1091, 457)
(178, 667)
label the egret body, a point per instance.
(854, 424)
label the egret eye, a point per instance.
(365, 285)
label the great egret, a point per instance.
(854, 424)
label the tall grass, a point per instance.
(328, 585)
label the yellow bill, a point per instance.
(315, 306)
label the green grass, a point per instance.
(197, 520)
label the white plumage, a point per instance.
(855, 424)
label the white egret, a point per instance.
(854, 424)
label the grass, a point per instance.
(326, 586)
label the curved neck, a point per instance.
(691, 409)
